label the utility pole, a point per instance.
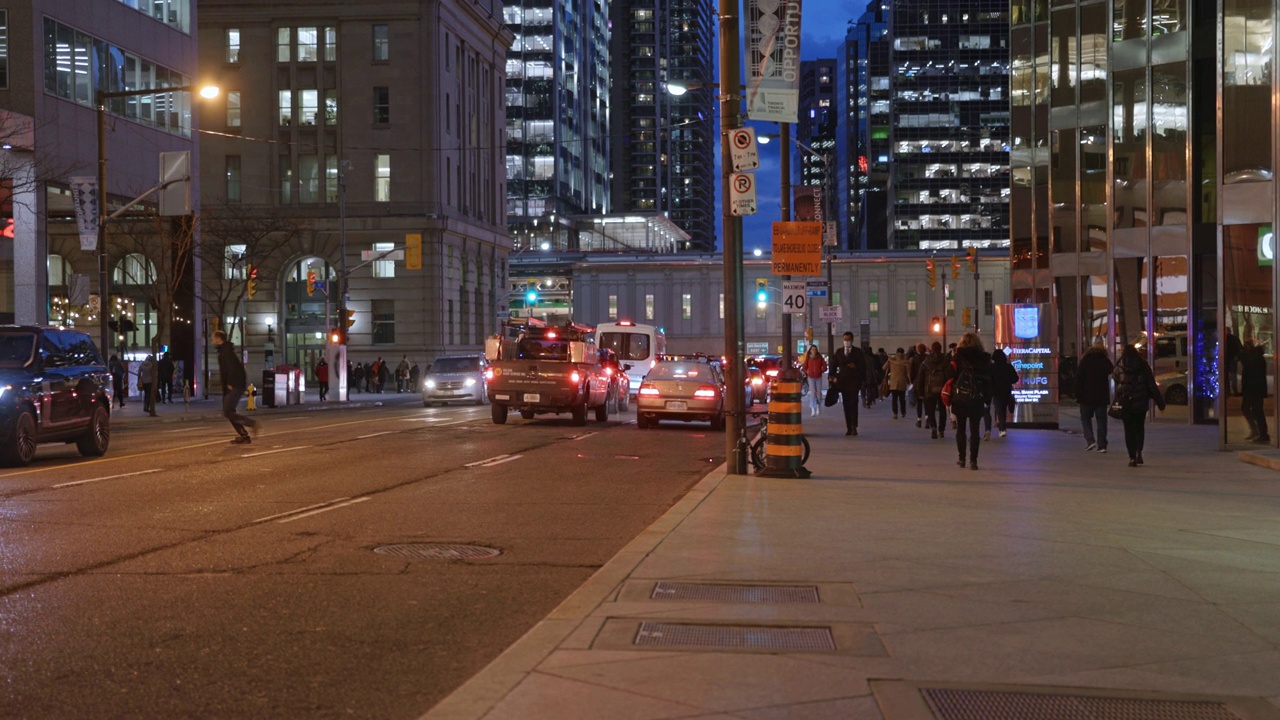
(784, 164)
(730, 120)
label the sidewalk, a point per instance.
(892, 576)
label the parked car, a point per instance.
(681, 388)
(455, 378)
(619, 380)
(54, 387)
(1173, 387)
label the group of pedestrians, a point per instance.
(155, 380)
(374, 377)
(1135, 391)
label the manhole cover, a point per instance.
(438, 551)
(662, 634)
(955, 704)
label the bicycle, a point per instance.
(756, 447)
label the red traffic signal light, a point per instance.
(936, 325)
(337, 336)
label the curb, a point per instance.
(487, 688)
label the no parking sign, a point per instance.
(742, 194)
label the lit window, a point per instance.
(233, 45)
(283, 45)
(330, 107)
(308, 40)
(383, 268)
(648, 307)
(613, 307)
(382, 179)
(308, 106)
(873, 304)
(686, 306)
(381, 44)
(286, 180)
(330, 44)
(911, 303)
(331, 178)
(234, 264)
(233, 109)
(286, 107)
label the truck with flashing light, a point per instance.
(536, 369)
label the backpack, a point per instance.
(935, 378)
(970, 388)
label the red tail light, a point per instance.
(608, 372)
(757, 380)
(574, 377)
(706, 391)
(649, 391)
(488, 374)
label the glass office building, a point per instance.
(1143, 185)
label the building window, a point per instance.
(686, 307)
(308, 44)
(382, 179)
(648, 307)
(286, 180)
(233, 109)
(4, 49)
(330, 107)
(384, 322)
(308, 106)
(286, 107)
(381, 105)
(233, 45)
(911, 303)
(613, 307)
(308, 179)
(233, 178)
(330, 44)
(873, 304)
(381, 44)
(988, 303)
(835, 298)
(383, 268)
(284, 45)
(721, 306)
(234, 265)
(331, 178)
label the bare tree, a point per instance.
(234, 239)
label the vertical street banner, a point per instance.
(773, 60)
(84, 197)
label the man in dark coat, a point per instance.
(164, 390)
(1093, 394)
(1253, 391)
(847, 369)
(234, 382)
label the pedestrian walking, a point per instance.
(414, 374)
(402, 374)
(357, 378)
(899, 377)
(234, 382)
(814, 367)
(1233, 349)
(119, 378)
(376, 370)
(929, 383)
(164, 388)
(1135, 390)
(1253, 390)
(147, 382)
(1093, 395)
(922, 351)
(1003, 378)
(970, 377)
(847, 371)
(322, 378)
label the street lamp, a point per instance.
(101, 98)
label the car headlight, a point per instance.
(431, 384)
(470, 382)
(4, 389)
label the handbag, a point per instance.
(833, 397)
(1116, 410)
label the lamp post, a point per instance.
(101, 98)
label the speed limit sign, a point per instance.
(793, 297)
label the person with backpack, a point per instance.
(846, 373)
(970, 379)
(1135, 390)
(929, 383)
(1003, 378)
(814, 366)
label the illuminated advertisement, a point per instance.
(1026, 333)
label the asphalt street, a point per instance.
(182, 576)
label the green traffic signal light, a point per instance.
(532, 296)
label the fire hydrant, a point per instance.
(250, 391)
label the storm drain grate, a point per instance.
(958, 704)
(438, 551)
(662, 634)
(736, 593)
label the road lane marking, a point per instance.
(298, 510)
(278, 450)
(455, 422)
(108, 477)
(486, 460)
(586, 435)
(324, 509)
(185, 430)
(502, 460)
(365, 437)
(289, 419)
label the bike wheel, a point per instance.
(759, 454)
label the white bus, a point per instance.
(636, 344)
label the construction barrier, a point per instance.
(785, 442)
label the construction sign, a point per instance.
(797, 248)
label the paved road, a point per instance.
(181, 576)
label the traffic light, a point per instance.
(955, 268)
(337, 336)
(972, 258)
(966, 316)
(936, 325)
(531, 295)
(933, 272)
(762, 291)
(311, 283)
(252, 288)
(351, 320)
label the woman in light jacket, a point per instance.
(899, 377)
(814, 367)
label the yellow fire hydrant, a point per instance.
(250, 391)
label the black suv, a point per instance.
(53, 387)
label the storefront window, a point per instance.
(1247, 35)
(1247, 266)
